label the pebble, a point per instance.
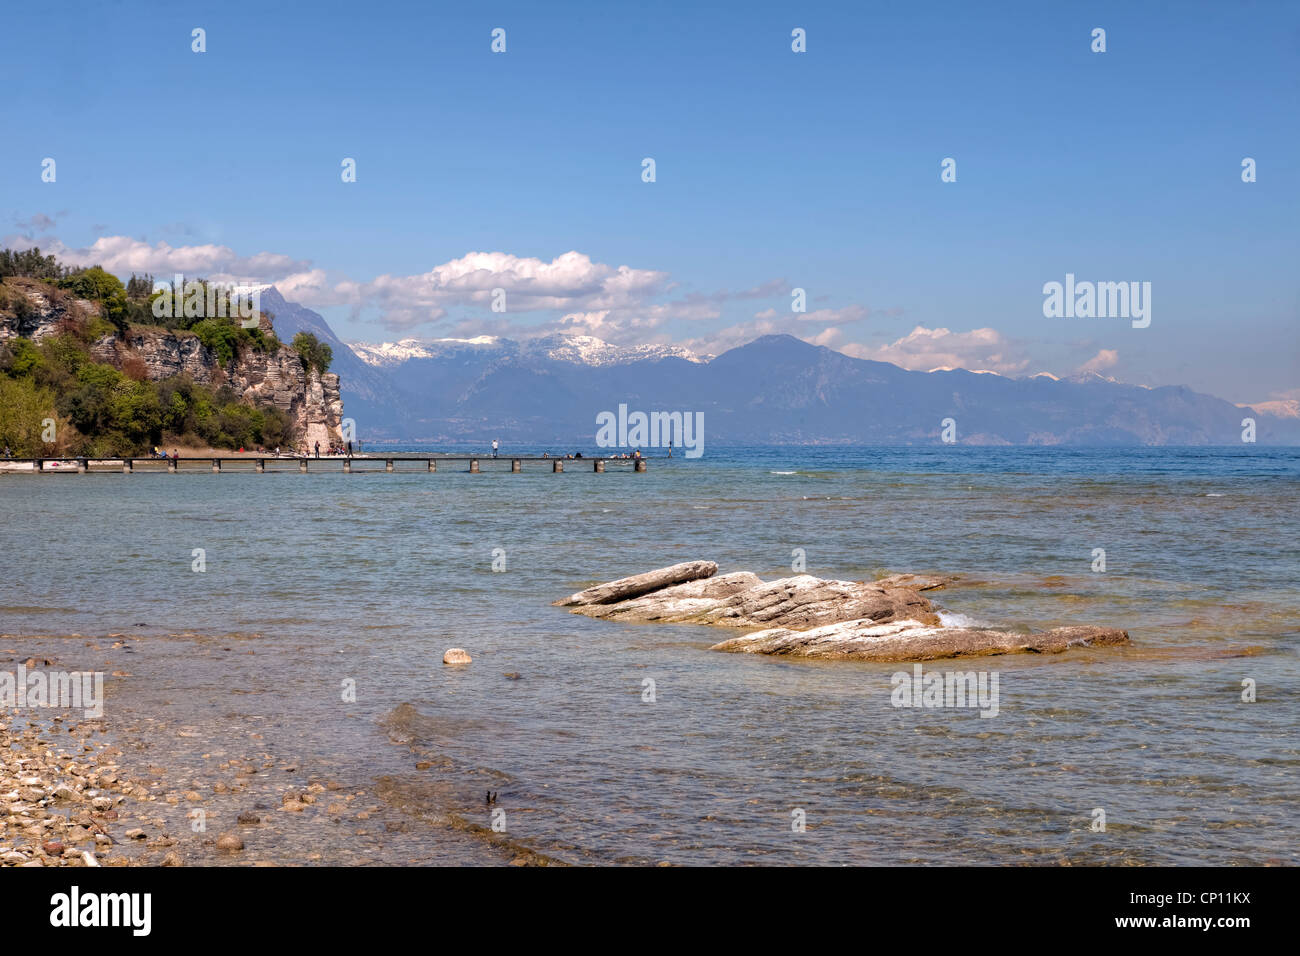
(57, 791)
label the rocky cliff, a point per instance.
(275, 376)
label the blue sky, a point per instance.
(775, 170)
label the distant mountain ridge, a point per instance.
(577, 349)
(775, 389)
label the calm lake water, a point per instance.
(370, 577)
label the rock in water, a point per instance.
(806, 616)
(456, 655)
(742, 599)
(803, 601)
(914, 641)
(639, 584)
(680, 603)
(229, 843)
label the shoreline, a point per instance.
(131, 788)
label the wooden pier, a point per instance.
(259, 464)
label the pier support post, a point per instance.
(302, 465)
(640, 464)
(557, 466)
(216, 466)
(473, 466)
(599, 466)
(127, 466)
(516, 466)
(40, 466)
(261, 465)
(433, 466)
(347, 466)
(388, 464)
(171, 466)
(83, 466)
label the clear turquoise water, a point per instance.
(372, 576)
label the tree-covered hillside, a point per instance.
(58, 398)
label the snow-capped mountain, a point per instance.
(559, 347)
(589, 350)
(1281, 408)
(388, 354)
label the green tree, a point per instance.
(99, 286)
(222, 336)
(313, 352)
(29, 262)
(24, 407)
(19, 357)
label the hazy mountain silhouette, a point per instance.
(775, 389)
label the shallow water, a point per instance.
(370, 577)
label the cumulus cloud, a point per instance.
(924, 349)
(569, 281)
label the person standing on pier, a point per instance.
(495, 445)
(318, 449)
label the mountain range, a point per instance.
(776, 389)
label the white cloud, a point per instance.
(924, 349)
(569, 281)
(1104, 359)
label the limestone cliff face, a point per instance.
(45, 308)
(275, 377)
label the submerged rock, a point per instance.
(807, 616)
(917, 582)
